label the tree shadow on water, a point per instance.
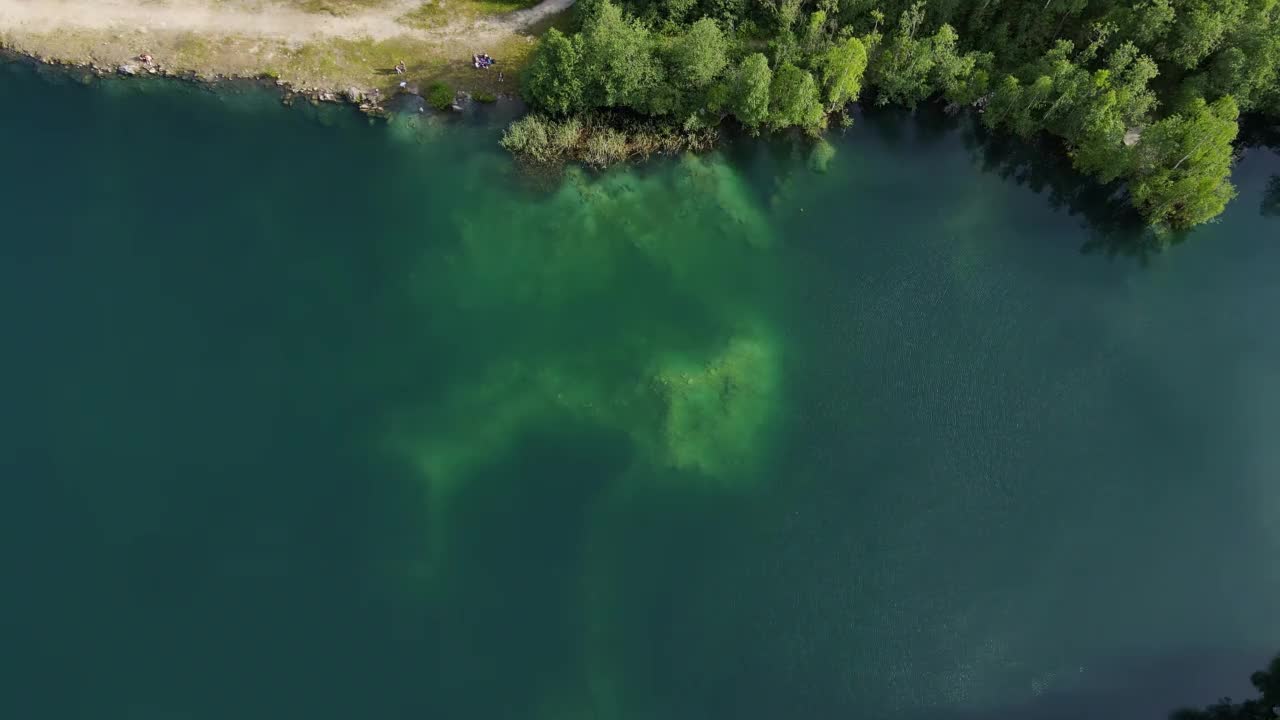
(1158, 689)
(1041, 164)
(1271, 198)
(1259, 132)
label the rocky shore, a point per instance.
(366, 59)
(371, 101)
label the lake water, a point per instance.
(310, 417)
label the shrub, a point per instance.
(565, 135)
(440, 96)
(605, 147)
(528, 137)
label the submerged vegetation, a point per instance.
(698, 401)
(1146, 93)
(440, 95)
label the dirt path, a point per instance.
(309, 51)
(256, 19)
(522, 19)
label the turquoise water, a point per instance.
(311, 417)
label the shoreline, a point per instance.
(288, 93)
(360, 58)
(371, 103)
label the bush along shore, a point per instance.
(599, 139)
(1145, 94)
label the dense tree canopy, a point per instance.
(553, 76)
(751, 85)
(1181, 167)
(1143, 92)
(793, 99)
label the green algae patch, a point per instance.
(709, 416)
(415, 128)
(587, 304)
(718, 412)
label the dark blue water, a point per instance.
(309, 417)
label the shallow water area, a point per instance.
(313, 416)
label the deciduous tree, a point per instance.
(553, 81)
(1183, 163)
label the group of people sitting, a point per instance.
(482, 61)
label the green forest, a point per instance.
(1147, 93)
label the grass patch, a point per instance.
(497, 7)
(428, 16)
(598, 139)
(439, 13)
(604, 148)
(485, 97)
(335, 7)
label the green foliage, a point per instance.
(552, 81)
(841, 68)
(962, 77)
(1182, 165)
(1148, 21)
(619, 68)
(597, 140)
(698, 55)
(440, 96)
(678, 10)
(1103, 76)
(794, 100)
(815, 33)
(1199, 27)
(902, 71)
(1092, 111)
(486, 97)
(529, 137)
(750, 99)
(1248, 67)
(605, 147)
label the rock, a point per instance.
(355, 95)
(128, 69)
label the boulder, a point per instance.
(128, 69)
